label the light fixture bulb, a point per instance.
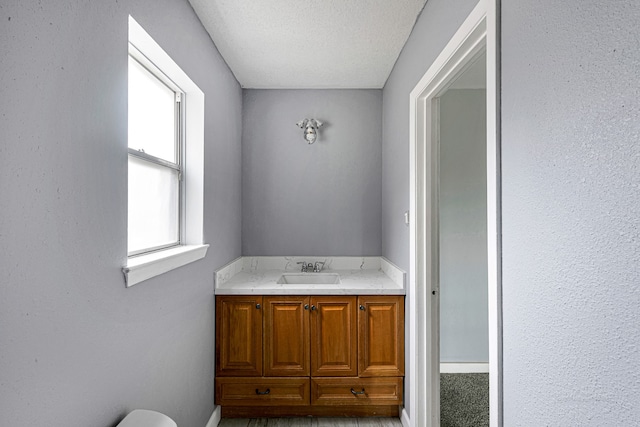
(310, 136)
(310, 128)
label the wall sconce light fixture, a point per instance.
(310, 128)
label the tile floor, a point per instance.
(310, 422)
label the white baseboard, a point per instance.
(464, 368)
(216, 416)
(404, 417)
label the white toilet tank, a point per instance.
(144, 418)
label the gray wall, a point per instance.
(571, 255)
(77, 348)
(571, 204)
(434, 28)
(318, 199)
(464, 328)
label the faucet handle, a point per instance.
(317, 268)
(304, 265)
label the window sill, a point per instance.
(145, 267)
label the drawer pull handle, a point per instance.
(263, 392)
(355, 393)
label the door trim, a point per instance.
(478, 32)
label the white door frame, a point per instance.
(478, 32)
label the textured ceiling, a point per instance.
(309, 43)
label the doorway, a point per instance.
(461, 136)
(476, 37)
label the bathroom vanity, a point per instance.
(295, 349)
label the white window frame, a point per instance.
(191, 248)
(178, 165)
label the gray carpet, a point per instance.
(464, 400)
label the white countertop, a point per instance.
(362, 276)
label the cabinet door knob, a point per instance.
(306, 306)
(361, 307)
(355, 393)
(267, 391)
(313, 308)
(258, 306)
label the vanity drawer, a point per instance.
(247, 391)
(356, 391)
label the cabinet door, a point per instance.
(286, 336)
(380, 336)
(238, 336)
(333, 337)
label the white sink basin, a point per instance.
(309, 279)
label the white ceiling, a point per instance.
(309, 43)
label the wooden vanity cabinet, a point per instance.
(333, 336)
(381, 336)
(356, 391)
(256, 391)
(286, 336)
(238, 336)
(301, 355)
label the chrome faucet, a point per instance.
(306, 267)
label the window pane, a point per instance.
(151, 114)
(153, 205)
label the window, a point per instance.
(155, 158)
(165, 162)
